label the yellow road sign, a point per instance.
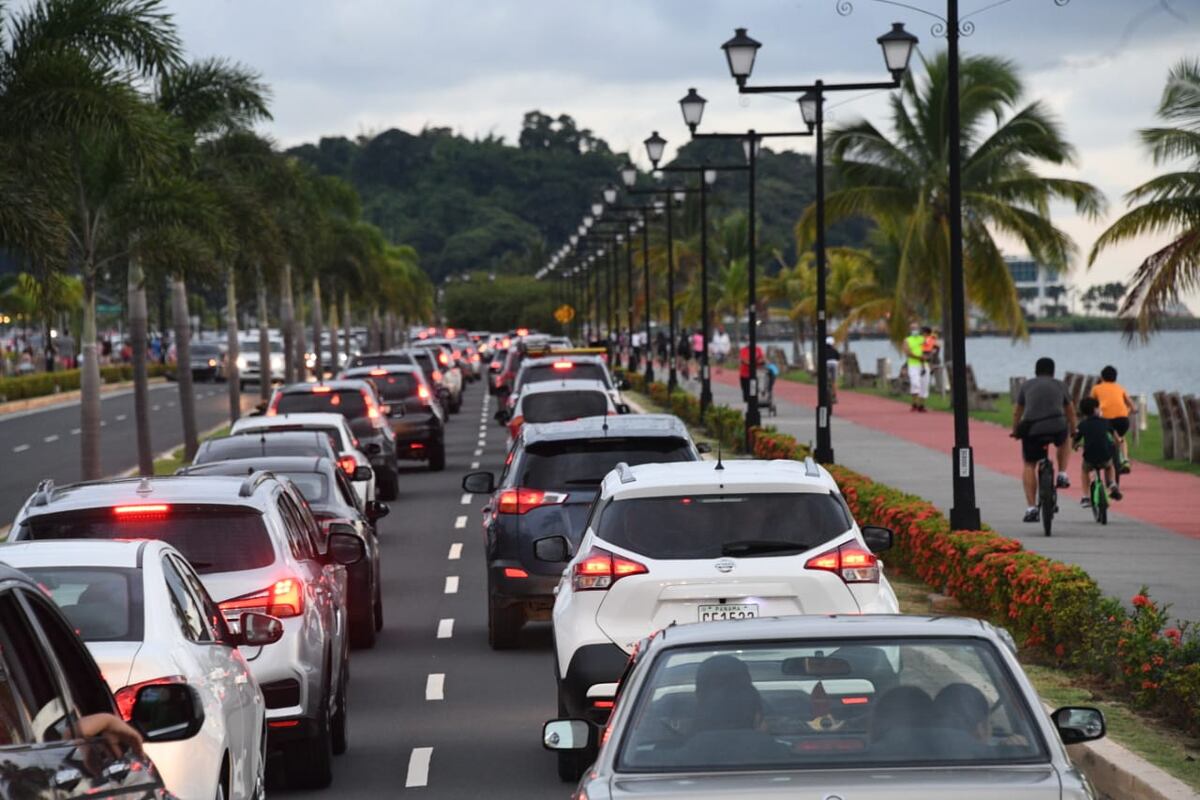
(564, 314)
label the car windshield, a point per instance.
(313, 485)
(583, 463)
(710, 526)
(919, 702)
(560, 406)
(205, 350)
(102, 604)
(564, 369)
(347, 402)
(213, 538)
(230, 447)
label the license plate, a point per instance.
(723, 611)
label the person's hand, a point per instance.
(118, 735)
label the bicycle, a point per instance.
(1047, 490)
(1098, 494)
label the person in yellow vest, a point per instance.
(918, 371)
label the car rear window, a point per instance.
(396, 386)
(240, 446)
(380, 359)
(560, 406)
(347, 402)
(334, 434)
(212, 538)
(711, 526)
(313, 485)
(549, 372)
(585, 462)
(102, 604)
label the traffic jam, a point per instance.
(714, 626)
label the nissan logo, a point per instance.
(724, 565)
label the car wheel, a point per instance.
(437, 456)
(340, 734)
(571, 763)
(504, 624)
(310, 762)
(363, 628)
(387, 484)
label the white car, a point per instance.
(249, 369)
(569, 366)
(147, 619)
(697, 542)
(349, 456)
(559, 401)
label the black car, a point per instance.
(415, 413)
(49, 683)
(547, 488)
(265, 444)
(335, 507)
(380, 359)
(357, 401)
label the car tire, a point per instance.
(339, 733)
(504, 624)
(310, 761)
(437, 456)
(387, 484)
(571, 763)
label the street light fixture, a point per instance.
(898, 45)
(655, 145)
(740, 52)
(597, 209)
(629, 175)
(710, 176)
(692, 105)
(610, 194)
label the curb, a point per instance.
(65, 398)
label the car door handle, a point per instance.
(67, 778)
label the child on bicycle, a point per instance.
(1095, 436)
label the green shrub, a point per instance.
(40, 384)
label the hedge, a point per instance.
(40, 384)
(1054, 610)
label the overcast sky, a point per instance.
(349, 67)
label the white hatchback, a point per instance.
(147, 619)
(695, 542)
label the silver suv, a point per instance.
(256, 547)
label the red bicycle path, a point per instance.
(1161, 497)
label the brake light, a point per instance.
(515, 572)
(322, 389)
(143, 511)
(126, 696)
(514, 426)
(475, 358)
(521, 500)
(458, 354)
(505, 342)
(601, 569)
(378, 372)
(450, 333)
(563, 365)
(372, 409)
(348, 464)
(850, 562)
(522, 331)
(422, 393)
(283, 598)
(603, 704)
(442, 359)
(437, 376)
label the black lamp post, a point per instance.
(897, 45)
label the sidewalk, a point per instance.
(1152, 537)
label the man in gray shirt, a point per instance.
(1043, 416)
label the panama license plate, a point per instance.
(723, 611)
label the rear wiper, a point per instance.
(748, 547)
(584, 481)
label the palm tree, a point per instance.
(904, 179)
(1169, 203)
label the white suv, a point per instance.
(696, 542)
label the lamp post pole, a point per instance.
(632, 226)
(672, 378)
(646, 292)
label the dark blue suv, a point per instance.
(551, 476)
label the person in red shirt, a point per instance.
(744, 371)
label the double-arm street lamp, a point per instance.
(740, 52)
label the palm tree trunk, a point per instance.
(233, 376)
(264, 341)
(319, 365)
(89, 383)
(346, 324)
(389, 330)
(183, 366)
(141, 381)
(300, 356)
(287, 317)
(374, 332)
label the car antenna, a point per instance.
(604, 427)
(720, 466)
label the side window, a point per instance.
(348, 495)
(26, 685)
(188, 611)
(310, 531)
(88, 693)
(291, 527)
(214, 619)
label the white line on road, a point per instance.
(435, 686)
(103, 424)
(418, 767)
(460, 522)
(156, 408)
(451, 584)
(479, 452)
(474, 465)
(76, 431)
(445, 628)
(51, 438)
(466, 499)
(122, 417)
(483, 428)
(171, 404)
(482, 442)
(21, 448)
(455, 551)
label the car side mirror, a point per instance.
(479, 483)
(258, 630)
(362, 473)
(344, 549)
(623, 384)
(623, 408)
(377, 510)
(554, 549)
(568, 734)
(703, 447)
(167, 712)
(1078, 724)
(877, 539)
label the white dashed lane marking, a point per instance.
(418, 767)
(76, 431)
(466, 499)
(455, 551)
(479, 452)
(156, 408)
(445, 628)
(451, 584)
(435, 686)
(21, 448)
(460, 522)
(122, 417)
(474, 465)
(51, 438)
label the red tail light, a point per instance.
(601, 569)
(126, 696)
(514, 426)
(515, 572)
(143, 511)
(348, 464)
(372, 409)
(522, 331)
(521, 500)
(422, 393)
(442, 358)
(437, 376)
(563, 365)
(850, 562)
(283, 598)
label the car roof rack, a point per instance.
(810, 467)
(625, 473)
(42, 494)
(256, 479)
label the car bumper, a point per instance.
(591, 665)
(535, 593)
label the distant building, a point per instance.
(1038, 289)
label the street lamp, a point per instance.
(655, 145)
(610, 194)
(898, 45)
(740, 52)
(629, 175)
(692, 105)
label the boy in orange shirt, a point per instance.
(1115, 406)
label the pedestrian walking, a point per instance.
(744, 368)
(720, 345)
(918, 372)
(661, 347)
(832, 361)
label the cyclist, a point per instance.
(1115, 407)
(1094, 434)
(1043, 415)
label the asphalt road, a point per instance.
(45, 443)
(433, 710)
